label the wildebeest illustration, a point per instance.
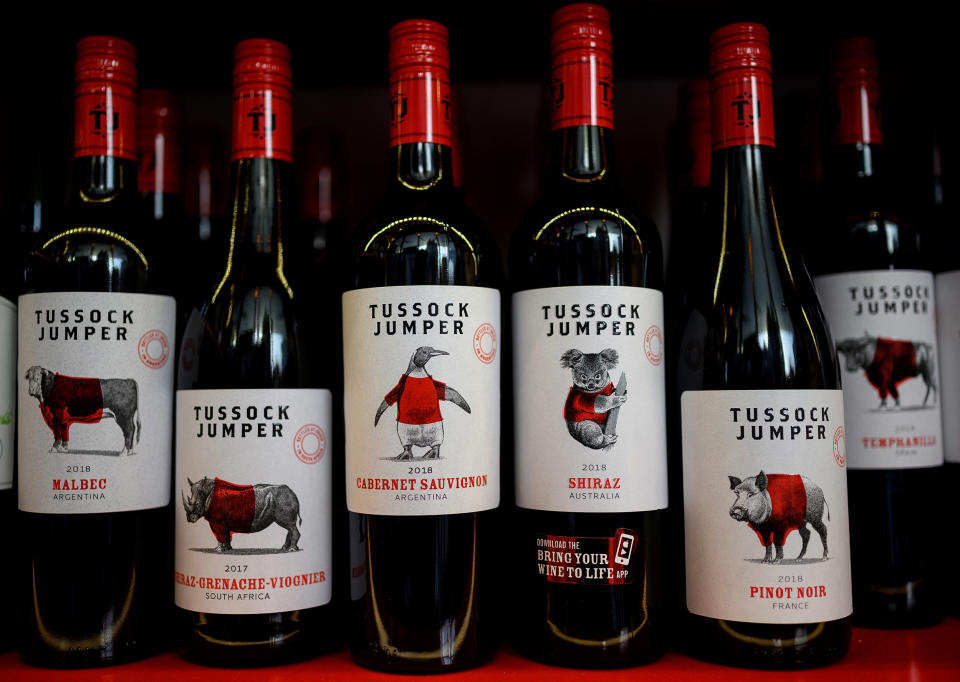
(230, 508)
(417, 396)
(65, 401)
(774, 505)
(889, 362)
(593, 403)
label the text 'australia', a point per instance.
(591, 319)
(79, 324)
(236, 421)
(401, 319)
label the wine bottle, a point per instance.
(159, 125)
(94, 355)
(9, 269)
(588, 383)
(759, 407)
(691, 187)
(205, 172)
(253, 555)
(320, 247)
(946, 244)
(877, 291)
(421, 328)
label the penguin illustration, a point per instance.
(418, 397)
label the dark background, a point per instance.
(500, 57)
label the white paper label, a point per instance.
(422, 399)
(590, 422)
(253, 528)
(765, 506)
(8, 389)
(948, 335)
(884, 325)
(95, 391)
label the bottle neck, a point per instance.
(853, 163)
(421, 167)
(102, 181)
(581, 155)
(741, 193)
(260, 193)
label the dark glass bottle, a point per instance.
(870, 249)
(110, 606)
(946, 245)
(581, 245)
(246, 338)
(427, 603)
(750, 326)
(159, 126)
(205, 174)
(691, 185)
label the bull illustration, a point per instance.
(775, 505)
(889, 362)
(65, 401)
(230, 508)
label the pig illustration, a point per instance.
(774, 505)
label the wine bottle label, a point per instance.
(254, 530)
(588, 560)
(741, 108)
(99, 366)
(104, 123)
(8, 389)
(422, 399)
(590, 422)
(883, 323)
(759, 465)
(262, 124)
(582, 90)
(420, 107)
(948, 334)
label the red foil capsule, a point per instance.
(582, 52)
(856, 92)
(105, 98)
(159, 122)
(262, 101)
(741, 90)
(420, 98)
(695, 110)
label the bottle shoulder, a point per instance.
(428, 240)
(585, 238)
(868, 240)
(84, 257)
(754, 332)
(245, 335)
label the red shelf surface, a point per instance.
(928, 655)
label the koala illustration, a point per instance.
(592, 397)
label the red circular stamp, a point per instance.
(309, 444)
(653, 345)
(485, 343)
(154, 349)
(839, 447)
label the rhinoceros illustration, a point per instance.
(230, 508)
(774, 505)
